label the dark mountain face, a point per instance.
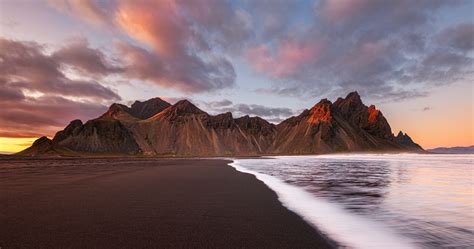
(138, 110)
(149, 108)
(359, 115)
(154, 127)
(109, 133)
(347, 125)
(43, 146)
(183, 129)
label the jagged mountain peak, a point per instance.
(407, 141)
(117, 111)
(186, 107)
(321, 112)
(148, 108)
(138, 110)
(353, 95)
(183, 129)
(351, 102)
(149, 101)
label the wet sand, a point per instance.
(142, 203)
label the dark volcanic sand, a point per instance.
(142, 203)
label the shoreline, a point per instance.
(150, 202)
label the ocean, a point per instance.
(377, 200)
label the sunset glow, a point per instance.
(267, 58)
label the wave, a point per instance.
(347, 229)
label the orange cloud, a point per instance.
(154, 23)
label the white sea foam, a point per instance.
(347, 229)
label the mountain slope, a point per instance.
(407, 142)
(157, 128)
(346, 125)
(184, 129)
(43, 146)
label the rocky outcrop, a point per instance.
(345, 126)
(149, 108)
(359, 115)
(157, 128)
(101, 135)
(138, 110)
(407, 142)
(184, 129)
(43, 146)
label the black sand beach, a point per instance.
(142, 203)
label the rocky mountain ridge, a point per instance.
(157, 128)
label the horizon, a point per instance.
(271, 59)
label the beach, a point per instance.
(143, 203)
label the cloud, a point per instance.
(37, 97)
(387, 49)
(180, 56)
(24, 66)
(427, 108)
(219, 104)
(460, 36)
(86, 60)
(33, 117)
(94, 12)
(289, 56)
(272, 114)
(262, 111)
(189, 75)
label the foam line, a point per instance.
(347, 229)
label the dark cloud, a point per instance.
(37, 98)
(33, 117)
(189, 74)
(24, 66)
(382, 48)
(380, 45)
(460, 36)
(86, 60)
(226, 26)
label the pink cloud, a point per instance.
(289, 57)
(156, 24)
(336, 10)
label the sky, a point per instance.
(70, 59)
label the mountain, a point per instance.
(184, 129)
(43, 146)
(343, 126)
(157, 128)
(406, 140)
(453, 150)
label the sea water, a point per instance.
(377, 201)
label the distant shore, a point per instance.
(143, 203)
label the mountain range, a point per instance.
(157, 128)
(453, 150)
